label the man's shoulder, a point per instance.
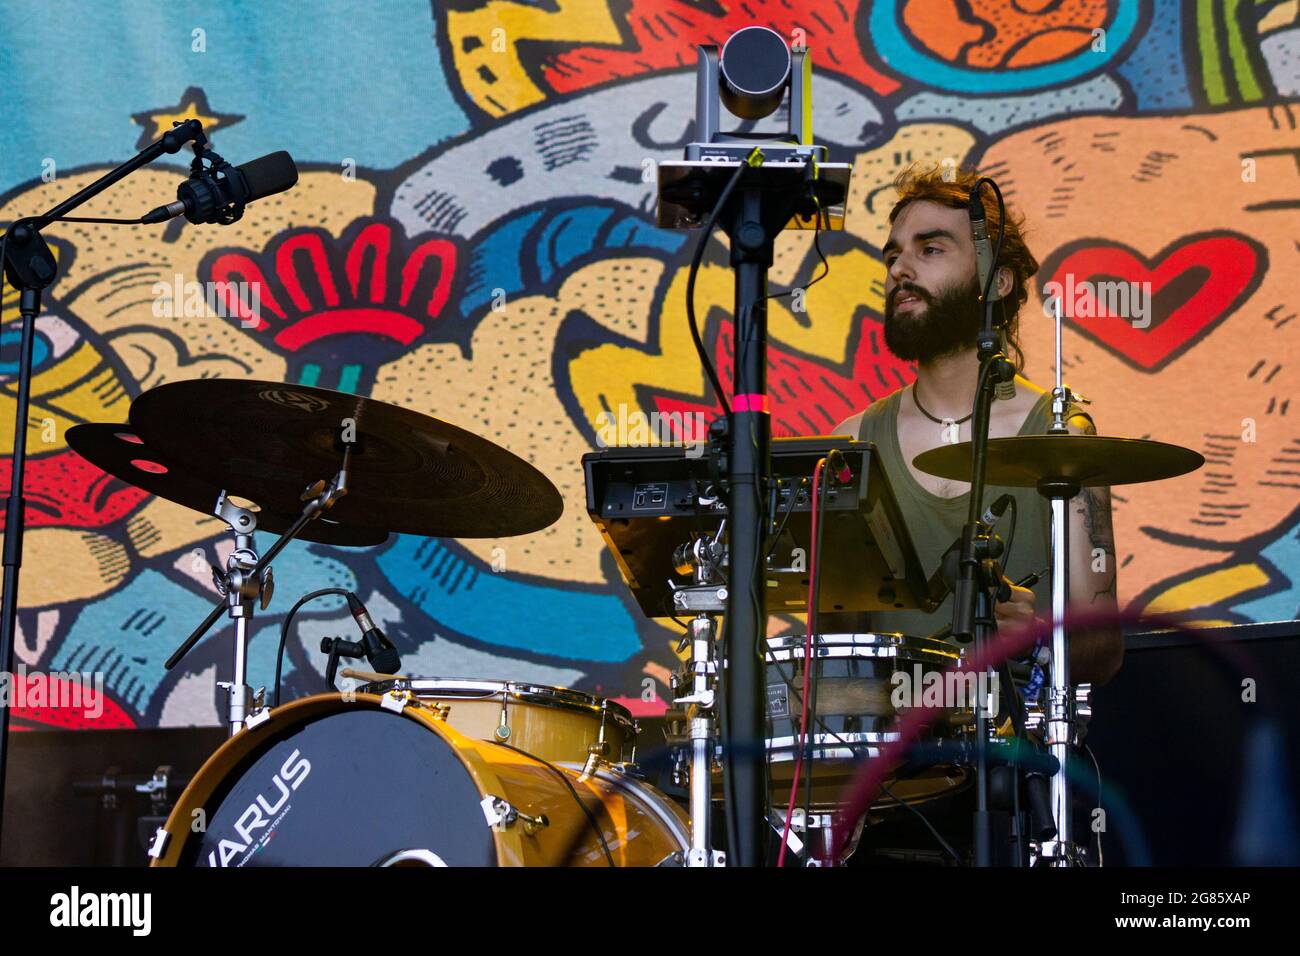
(850, 426)
(853, 424)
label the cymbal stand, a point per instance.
(248, 577)
(241, 584)
(1060, 851)
(701, 558)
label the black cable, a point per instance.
(817, 246)
(929, 826)
(853, 749)
(1011, 535)
(1101, 860)
(1002, 228)
(728, 754)
(4, 248)
(696, 258)
(789, 510)
(586, 811)
(284, 631)
(759, 556)
(811, 662)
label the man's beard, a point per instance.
(947, 323)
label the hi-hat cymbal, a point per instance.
(409, 473)
(1089, 461)
(118, 450)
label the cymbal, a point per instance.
(118, 450)
(1087, 460)
(409, 474)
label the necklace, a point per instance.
(938, 421)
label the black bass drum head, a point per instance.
(349, 788)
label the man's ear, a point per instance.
(1006, 282)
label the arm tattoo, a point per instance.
(1095, 509)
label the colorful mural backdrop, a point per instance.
(472, 237)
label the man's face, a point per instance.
(931, 291)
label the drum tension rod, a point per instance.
(501, 815)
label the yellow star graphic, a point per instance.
(193, 105)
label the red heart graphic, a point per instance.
(1231, 265)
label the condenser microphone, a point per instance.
(219, 194)
(979, 233)
(378, 649)
(983, 269)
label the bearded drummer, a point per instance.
(932, 317)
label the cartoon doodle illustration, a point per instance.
(988, 46)
(510, 56)
(1219, 330)
(1279, 45)
(591, 145)
(511, 281)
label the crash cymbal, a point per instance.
(118, 450)
(410, 473)
(1086, 460)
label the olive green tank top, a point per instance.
(935, 523)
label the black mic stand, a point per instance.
(31, 268)
(763, 203)
(979, 573)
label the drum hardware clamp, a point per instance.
(502, 731)
(501, 815)
(156, 789)
(440, 711)
(260, 713)
(397, 700)
(159, 845)
(598, 751)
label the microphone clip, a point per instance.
(205, 192)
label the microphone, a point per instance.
(379, 650)
(996, 510)
(983, 267)
(1005, 391)
(838, 467)
(983, 250)
(219, 194)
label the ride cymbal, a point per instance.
(119, 451)
(409, 473)
(1090, 461)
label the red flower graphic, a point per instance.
(339, 306)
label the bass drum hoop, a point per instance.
(541, 695)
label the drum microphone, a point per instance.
(219, 193)
(996, 510)
(983, 267)
(379, 650)
(980, 236)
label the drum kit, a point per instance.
(415, 770)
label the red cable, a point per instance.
(815, 543)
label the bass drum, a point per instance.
(370, 780)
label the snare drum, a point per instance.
(554, 723)
(361, 780)
(854, 694)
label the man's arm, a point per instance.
(1096, 652)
